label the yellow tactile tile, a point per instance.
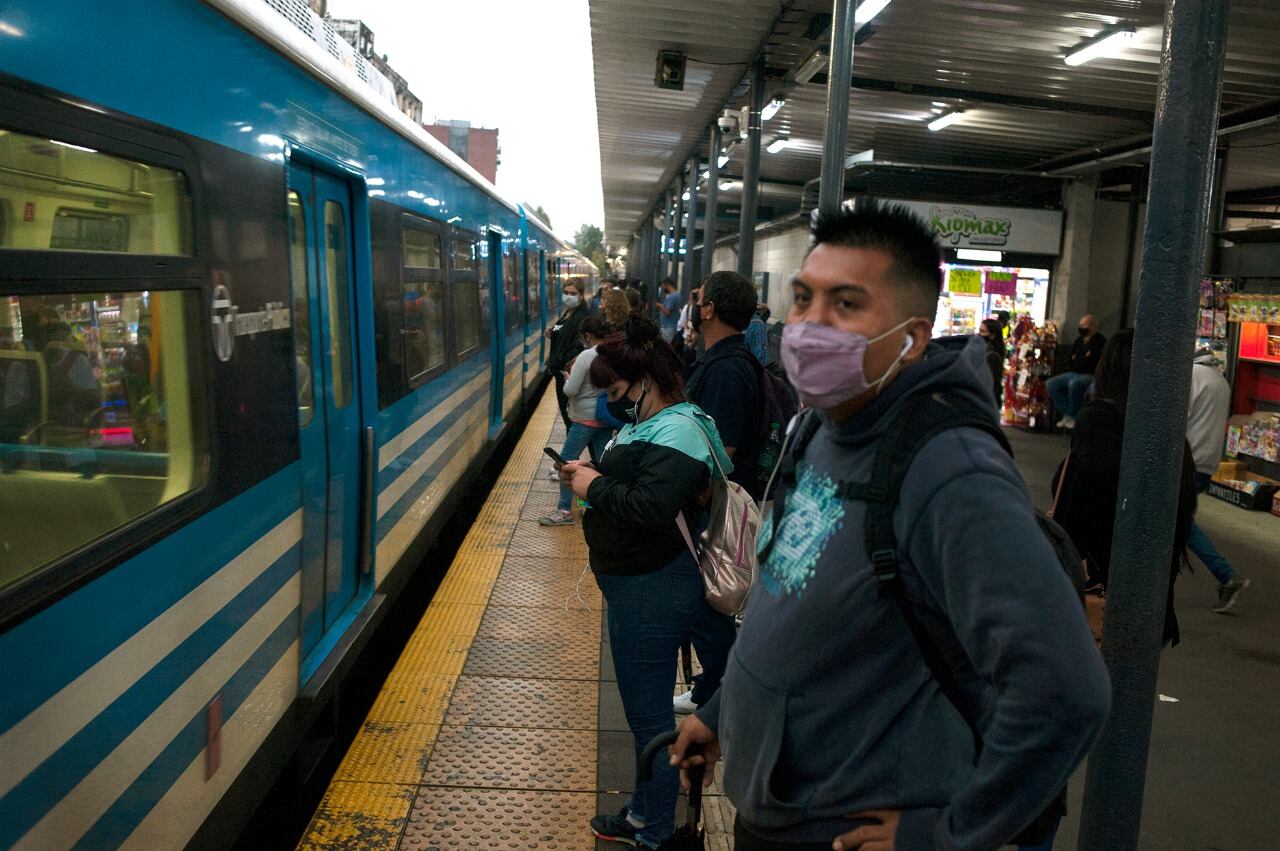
(368, 802)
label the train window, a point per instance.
(511, 284)
(339, 293)
(421, 249)
(100, 417)
(68, 197)
(301, 307)
(533, 301)
(465, 284)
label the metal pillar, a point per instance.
(692, 264)
(655, 246)
(677, 230)
(831, 186)
(664, 257)
(751, 174)
(713, 200)
(1136, 191)
(1217, 205)
(1155, 424)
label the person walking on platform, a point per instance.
(585, 431)
(566, 340)
(835, 731)
(669, 309)
(757, 334)
(658, 467)
(1206, 433)
(993, 335)
(1069, 389)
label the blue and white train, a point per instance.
(257, 332)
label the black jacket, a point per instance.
(1087, 504)
(725, 382)
(566, 338)
(1085, 355)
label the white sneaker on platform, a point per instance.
(683, 703)
(1067, 422)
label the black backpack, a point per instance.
(778, 405)
(918, 421)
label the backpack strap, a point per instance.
(919, 421)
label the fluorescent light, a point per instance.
(779, 144)
(867, 10)
(946, 120)
(728, 184)
(816, 62)
(685, 196)
(74, 147)
(771, 108)
(869, 155)
(979, 255)
(1105, 43)
(723, 161)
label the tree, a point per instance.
(590, 241)
(539, 212)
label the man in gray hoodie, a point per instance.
(834, 732)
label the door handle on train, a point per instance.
(370, 461)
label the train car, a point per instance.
(257, 333)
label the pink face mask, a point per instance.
(825, 366)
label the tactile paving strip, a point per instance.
(554, 542)
(546, 583)
(499, 757)
(483, 818)
(388, 753)
(551, 660)
(359, 816)
(504, 702)
(514, 623)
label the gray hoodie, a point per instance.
(827, 707)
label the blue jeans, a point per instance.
(579, 437)
(1198, 542)
(1068, 391)
(650, 616)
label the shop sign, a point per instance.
(1001, 283)
(964, 281)
(1016, 229)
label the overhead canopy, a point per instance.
(1001, 63)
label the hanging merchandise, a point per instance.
(1211, 328)
(1031, 364)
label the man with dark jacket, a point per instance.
(1069, 389)
(836, 733)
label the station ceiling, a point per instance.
(999, 60)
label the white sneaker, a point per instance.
(553, 475)
(683, 703)
(1067, 422)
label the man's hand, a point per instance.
(871, 837)
(696, 745)
(547, 333)
(579, 476)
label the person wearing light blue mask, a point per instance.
(835, 730)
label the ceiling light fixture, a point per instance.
(946, 120)
(867, 10)
(810, 68)
(1105, 43)
(979, 254)
(723, 161)
(728, 184)
(771, 108)
(779, 144)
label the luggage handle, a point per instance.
(659, 743)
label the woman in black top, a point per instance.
(1087, 502)
(566, 340)
(991, 331)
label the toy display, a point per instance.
(1030, 364)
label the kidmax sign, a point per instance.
(1017, 229)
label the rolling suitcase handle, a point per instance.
(694, 811)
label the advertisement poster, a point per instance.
(964, 281)
(1002, 283)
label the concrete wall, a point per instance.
(1106, 267)
(780, 253)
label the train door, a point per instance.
(497, 330)
(329, 421)
(541, 291)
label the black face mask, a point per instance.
(625, 410)
(1084, 332)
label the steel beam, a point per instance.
(692, 266)
(713, 201)
(831, 185)
(751, 175)
(1182, 157)
(677, 231)
(664, 258)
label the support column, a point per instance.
(713, 201)
(692, 264)
(751, 173)
(1070, 286)
(1182, 149)
(655, 243)
(677, 230)
(664, 258)
(1217, 205)
(831, 185)
(1137, 190)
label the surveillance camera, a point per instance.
(728, 123)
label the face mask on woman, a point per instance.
(626, 410)
(571, 300)
(825, 364)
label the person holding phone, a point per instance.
(585, 431)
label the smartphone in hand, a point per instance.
(554, 456)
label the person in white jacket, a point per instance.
(1206, 433)
(584, 429)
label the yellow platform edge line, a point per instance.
(367, 804)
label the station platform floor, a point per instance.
(501, 726)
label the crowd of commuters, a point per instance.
(851, 737)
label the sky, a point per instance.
(522, 67)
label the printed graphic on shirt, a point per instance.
(814, 515)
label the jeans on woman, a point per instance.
(580, 437)
(1200, 544)
(650, 616)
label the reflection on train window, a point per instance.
(463, 255)
(466, 299)
(339, 307)
(423, 327)
(301, 308)
(100, 417)
(68, 197)
(421, 249)
(511, 285)
(533, 302)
